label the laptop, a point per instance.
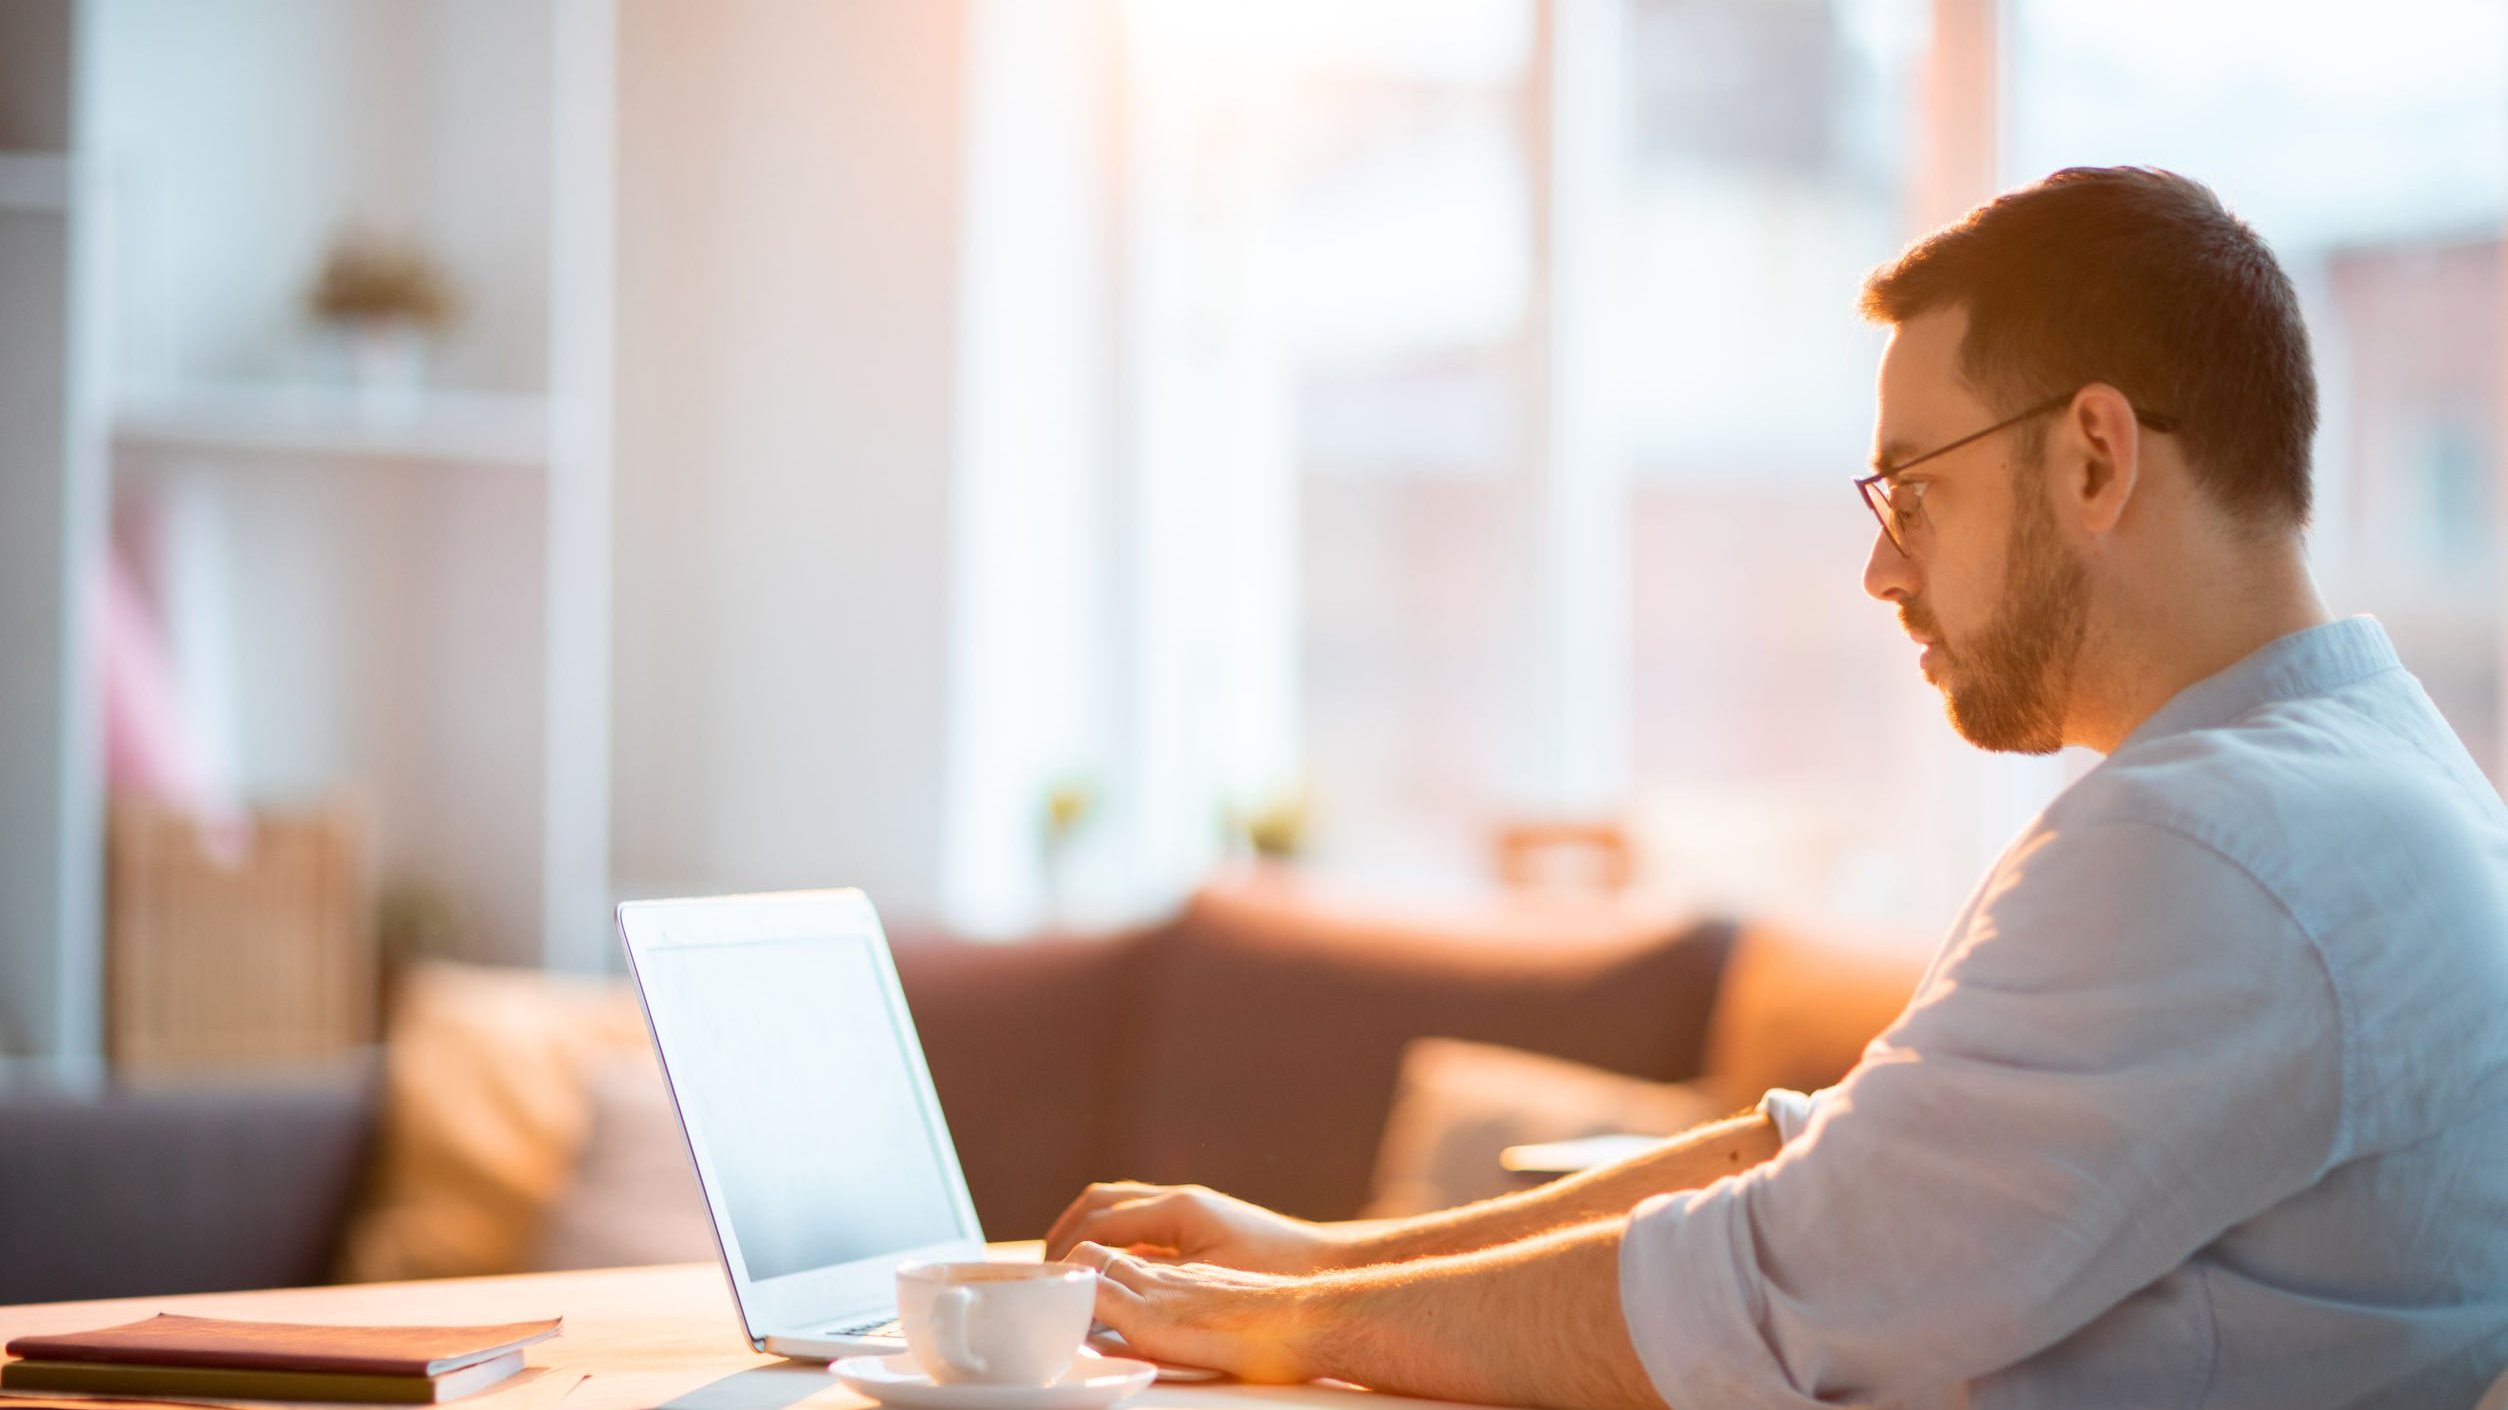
(808, 1111)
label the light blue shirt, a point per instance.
(2203, 1103)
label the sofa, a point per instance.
(1250, 1042)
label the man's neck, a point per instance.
(2158, 643)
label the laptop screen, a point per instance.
(794, 1080)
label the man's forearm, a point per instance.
(1535, 1323)
(1686, 1162)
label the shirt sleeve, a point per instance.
(2130, 1049)
(1791, 1111)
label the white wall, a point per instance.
(788, 177)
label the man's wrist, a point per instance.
(1322, 1325)
(1350, 1243)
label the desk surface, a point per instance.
(643, 1337)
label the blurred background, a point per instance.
(466, 462)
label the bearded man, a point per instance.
(2204, 1100)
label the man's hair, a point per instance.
(2143, 280)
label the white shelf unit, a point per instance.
(52, 528)
(35, 181)
(433, 640)
(410, 595)
(502, 431)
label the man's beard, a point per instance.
(2007, 689)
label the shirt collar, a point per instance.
(2310, 662)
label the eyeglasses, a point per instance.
(1900, 507)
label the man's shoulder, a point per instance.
(2389, 860)
(2325, 802)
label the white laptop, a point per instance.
(807, 1108)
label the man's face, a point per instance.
(1986, 581)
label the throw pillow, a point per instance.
(485, 1108)
(1458, 1105)
(1797, 1008)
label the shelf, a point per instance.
(34, 181)
(435, 427)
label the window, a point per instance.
(1784, 746)
(1335, 263)
(2369, 146)
(1505, 450)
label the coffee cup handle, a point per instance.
(949, 1328)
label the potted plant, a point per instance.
(386, 301)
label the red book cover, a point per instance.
(170, 1340)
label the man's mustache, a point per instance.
(1917, 620)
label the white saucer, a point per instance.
(1092, 1383)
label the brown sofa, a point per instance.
(1250, 1042)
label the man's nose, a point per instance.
(1889, 574)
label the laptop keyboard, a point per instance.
(889, 1328)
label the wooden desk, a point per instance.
(644, 1337)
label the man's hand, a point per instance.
(1190, 1224)
(1533, 1323)
(1253, 1325)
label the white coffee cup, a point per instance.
(995, 1323)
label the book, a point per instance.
(240, 1383)
(171, 1340)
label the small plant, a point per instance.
(374, 282)
(1277, 828)
(1069, 804)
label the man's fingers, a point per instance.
(1097, 1256)
(1064, 1233)
(1059, 1239)
(1151, 1219)
(1114, 1267)
(1123, 1310)
(1152, 1305)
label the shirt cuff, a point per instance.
(1790, 1112)
(1689, 1293)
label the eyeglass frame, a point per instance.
(1878, 495)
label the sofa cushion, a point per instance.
(633, 1196)
(1457, 1107)
(198, 1186)
(1270, 1024)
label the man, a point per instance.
(2204, 1100)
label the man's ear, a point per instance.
(2106, 465)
